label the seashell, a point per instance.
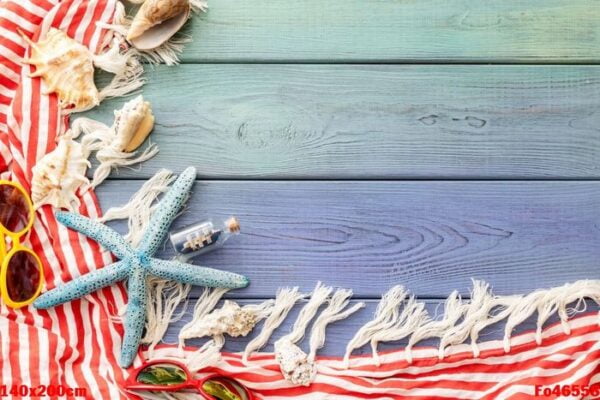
(294, 363)
(66, 68)
(58, 176)
(133, 123)
(230, 319)
(156, 21)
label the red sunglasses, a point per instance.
(172, 376)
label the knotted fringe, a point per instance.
(399, 316)
(141, 205)
(385, 316)
(125, 66)
(317, 299)
(204, 305)
(284, 302)
(334, 312)
(454, 309)
(412, 316)
(163, 298)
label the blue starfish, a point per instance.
(136, 263)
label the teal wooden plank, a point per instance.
(430, 236)
(340, 333)
(375, 122)
(396, 31)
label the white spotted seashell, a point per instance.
(230, 319)
(67, 68)
(133, 123)
(156, 21)
(58, 176)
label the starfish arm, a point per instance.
(135, 319)
(83, 285)
(166, 212)
(107, 237)
(195, 275)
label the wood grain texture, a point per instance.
(432, 237)
(396, 31)
(374, 122)
(340, 333)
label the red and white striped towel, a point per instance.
(76, 345)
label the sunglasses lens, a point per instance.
(22, 276)
(14, 209)
(162, 374)
(224, 389)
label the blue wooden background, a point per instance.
(381, 142)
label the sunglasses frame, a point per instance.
(17, 246)
(132, 384)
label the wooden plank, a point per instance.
(397, 30)
(432, 237)
(340, 333)
(374, 122)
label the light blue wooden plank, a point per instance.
(412, 121)
(354, 30)
(340, 333)
(432, 237)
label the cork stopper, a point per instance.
(233, 225)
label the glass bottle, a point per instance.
(203, 237)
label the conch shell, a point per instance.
(58, 176)
(167, 16)
(133, 123)
(66, 68)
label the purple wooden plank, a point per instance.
(431, 236)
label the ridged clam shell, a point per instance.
(154, 12)
(66, 68)
(133, 124)
(58, 176)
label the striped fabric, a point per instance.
(76, 345)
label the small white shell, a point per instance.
(133, 123)
(58, 176)
(66, 68)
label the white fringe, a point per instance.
(412, 316)
(385, 316)
(163, 298)
(334, 312)
(205, 304)
(454, 309)
(317, 299)
(285, 300)
(464, 320)
(110, 158)
(141, 206)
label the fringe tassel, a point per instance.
(464, 320)
(205, 304)
(112, 158)
(385, 316)
(317, 299)
(285, 300)
(454, 309)
(412, 316)
(163, 298)
(141, 206)
(334, 312)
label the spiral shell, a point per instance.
(133, 123)
(58, 176)
(67, 68)
(154, 12)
